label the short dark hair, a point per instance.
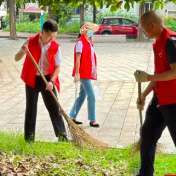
(50, 25)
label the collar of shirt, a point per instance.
(41, 44)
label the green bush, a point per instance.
(26, 18)
(71, 28)
(170, 23)
(27, 25)
(30, 27)
(6, 19)
(63, 20)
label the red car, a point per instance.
(118, 26)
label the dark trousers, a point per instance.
(31, 109)
(157, 118)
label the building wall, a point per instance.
(27, 5)
(3, 10)
(169, 10)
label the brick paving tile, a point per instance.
(116, 112)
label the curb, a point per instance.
(27, 35)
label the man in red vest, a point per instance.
(161, 111)
(47, 54)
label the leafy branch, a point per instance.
(112, 4)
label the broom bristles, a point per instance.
(137, 145)
(81, 138)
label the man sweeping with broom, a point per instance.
(161, 111)
(47, 55)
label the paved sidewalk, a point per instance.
(116, 112)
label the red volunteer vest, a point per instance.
(166, 90)
(29, 70)
(85, 69)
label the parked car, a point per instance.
(118, 26)
(2, 23)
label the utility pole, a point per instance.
(41, 17)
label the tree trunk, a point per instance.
(17, 11)
(0, 2)
(13, 35)
(49, 13)
(140, 32)
(81, 14)
(8, 6)
(94, 14)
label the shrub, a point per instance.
(73, 27)
(32, 27)
(170, 23)
(6, 19)
(26, 27)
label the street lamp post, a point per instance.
(41, 20)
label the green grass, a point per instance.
(72, 160)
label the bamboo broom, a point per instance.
(137, 144)
(79, 136)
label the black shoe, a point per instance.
(94, 125)
(29, 138)
(62, 138)
(77, 122)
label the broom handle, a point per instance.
(139, 97)
(44, 79)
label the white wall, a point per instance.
(27, 5)
(169, 10)
(3, 11)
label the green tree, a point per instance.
(49, 13)
(112, 4)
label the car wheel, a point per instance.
(106, 33)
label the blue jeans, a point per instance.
(85, 89)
